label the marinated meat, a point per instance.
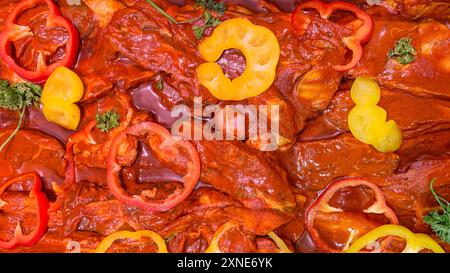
(134, 61)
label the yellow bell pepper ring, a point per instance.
(214, 245)
(365, 91)
(67, 116)
(260, 48)
(280, 243)
(364, 120)
(367, 120)
(61, 91)
(415, 242)
(108, 241)
(388, 138)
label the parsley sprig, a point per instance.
(17, 97)
(209, 21)
(107, 120)
(439, 222)
(211, 15)
(403, 51)
(160, 84)
(211, 5)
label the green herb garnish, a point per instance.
(403, 51)
(160, 84)
(439, 222)
(107, 120)
(211, 5)
(160, 10)
(17, 97)
(171, 236)
(209, 20)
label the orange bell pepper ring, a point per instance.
(260, 48)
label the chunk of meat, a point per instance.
(313, 165)
(427, 146)
(409, 193)
(81, 17)
(104, 9)
(201, 199)
(428, 75)
(8, 119)
(32, 151)
(103, 69)
(439, 9)
(245, 174)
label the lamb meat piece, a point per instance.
(32, 151)
(409, 193)
(414, 9)
(245, 174)
(427, 76)
(313, 165)
(428, 146)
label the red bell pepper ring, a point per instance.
(41, 215)
(170, 146)
(14, 32)
(321, 205)
(300, 22)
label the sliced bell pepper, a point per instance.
(42, 217)
(214, 244)
(260, 48)
(415, 242)
(321, 206)
(280, 243)
(13, 32)
(301, 20)
(136, 235)
(169, 147)
(367, 120)
(62, 89)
